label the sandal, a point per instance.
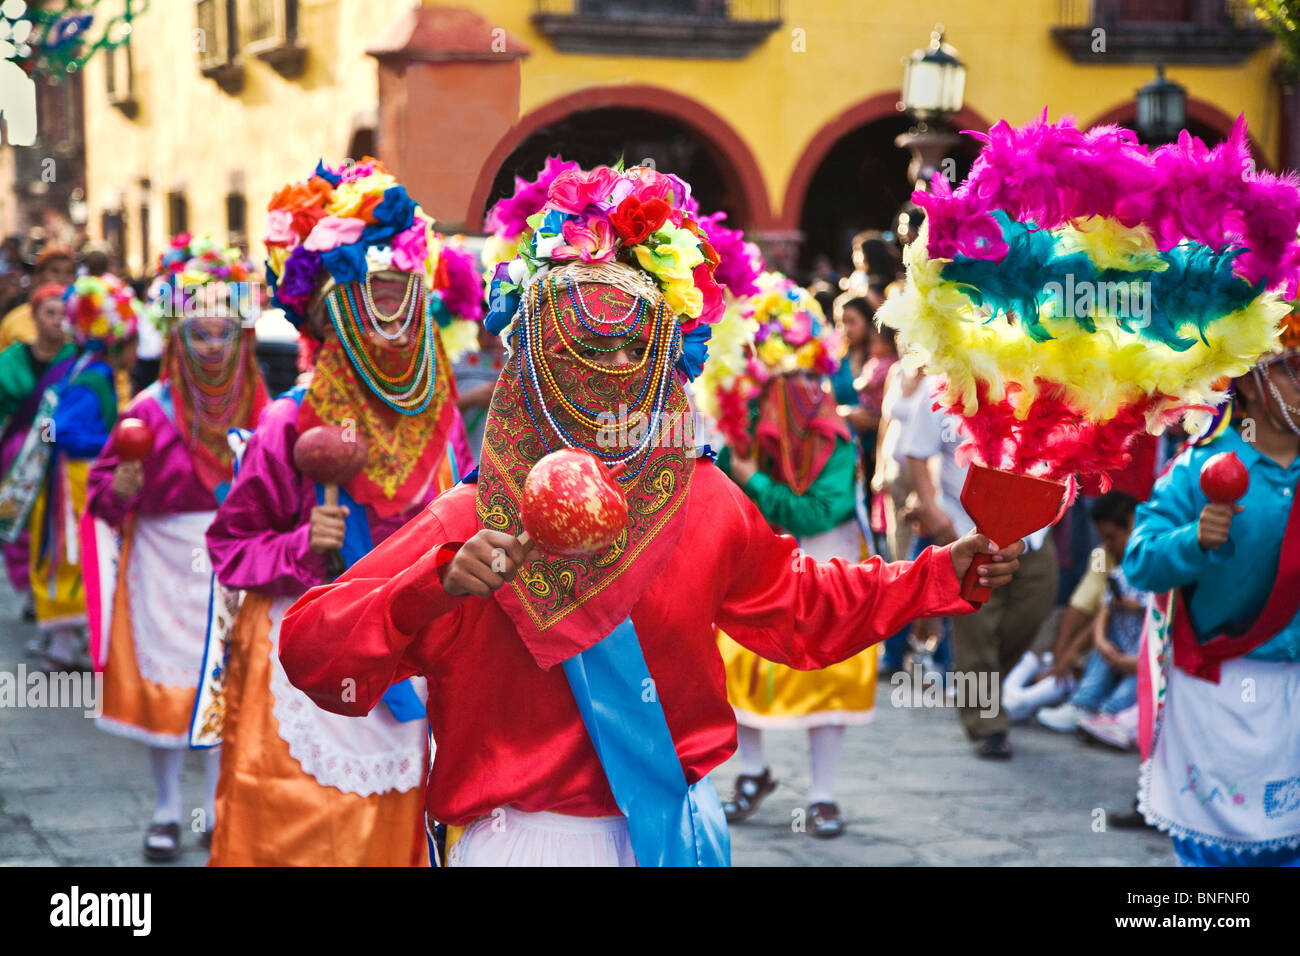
(162, 842)
(749, 793)
(824, 820)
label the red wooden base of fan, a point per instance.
(1005, 507)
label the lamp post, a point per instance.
(934, 83)
(1161, 109)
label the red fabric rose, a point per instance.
(305, 219)
(635, 221)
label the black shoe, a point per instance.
(994, 747)
(749, 793)
(162, 842)
(1128, 819)
(824, 820)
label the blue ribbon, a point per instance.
(401, 698)
(669, 823)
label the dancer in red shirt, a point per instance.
(603, 760)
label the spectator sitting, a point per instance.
(1045, 681)
(1109, 683)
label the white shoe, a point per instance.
(1064, 718)
(1108, 730)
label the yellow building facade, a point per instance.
(455, 97)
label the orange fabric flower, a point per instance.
(1291, 331)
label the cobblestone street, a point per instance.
(910, 788)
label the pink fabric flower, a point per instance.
(331, 232)
(357, 171)
(410, 248)
(573, 190)
(279, 229)
(714, 305)
(592, 242)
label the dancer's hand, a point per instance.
(997, 572)
(327, 528)
(484, 563)
(128, 479)
(1215, 525)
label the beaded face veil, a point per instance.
(607, 306)
(201, 301)
(352, 236)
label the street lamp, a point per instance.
(934, 83)
(1161, 109)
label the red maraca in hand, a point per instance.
(330, 456)
(572, 504)
(132, 440)
(1224, 479)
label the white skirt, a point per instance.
(1225, 770)
(509, 837)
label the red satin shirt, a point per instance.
(508, 732)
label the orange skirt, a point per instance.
(133, 706)
(271, 813)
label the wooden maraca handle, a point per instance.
(333, 558)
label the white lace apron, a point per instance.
(167, 592)
(361, 755)
(1225, 770)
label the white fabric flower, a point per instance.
(379, 258)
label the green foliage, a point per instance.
(1282, 17)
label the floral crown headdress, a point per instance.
(199, 266)
(343, 224)
(102, 310)
(779, 330)
(638, 218)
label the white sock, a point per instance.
(211, 773)
(167, 781)
(750, 741)
(63, 645)
(824, 746)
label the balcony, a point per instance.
(1205, 32)
(681, 29)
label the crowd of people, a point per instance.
(368, 656)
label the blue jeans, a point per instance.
(896, 645)
(1105, 690)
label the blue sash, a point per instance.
(669, 823)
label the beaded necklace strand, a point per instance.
(408, 393)
(533, 359)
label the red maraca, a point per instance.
(331, 456)
(1224, 478)
(132, 440)
(572, 504)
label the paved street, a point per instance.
(912, 792)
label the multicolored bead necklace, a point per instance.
(662, 351)
(410, 391)
(213, 385)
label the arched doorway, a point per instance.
(852, 177)
(861, 184)
(603, 136)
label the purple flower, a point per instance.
(509, 217)
(301, 272)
